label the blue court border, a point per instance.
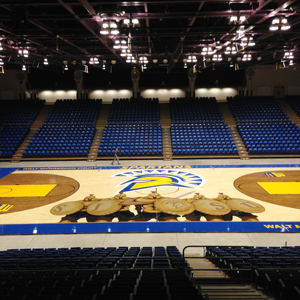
(148, 227)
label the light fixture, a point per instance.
(66, 68)
(192, 59)
(241, 30)
(83, 62)
(103, 64)
(123, 53)
(236, 19)
(113, 62)
(94, 61)
(207, 51)
(288, 55)
(279, 24)
(1, 62)
(46, 61)
(155, 61)
(23, 68)
(246, 57)
(1, 47)
(23, 52)
(109, 27)
(165, 61)
(143, 60)
(120, 44)
(130, 59)
(218, 43)
(217, 57)
(291, 62)
(259, 58)
(131, 22)
(185, 65)
(230, 50)
(247, 41)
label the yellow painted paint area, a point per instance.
(281, 187)
(28, 190)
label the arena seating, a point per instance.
(256, 108)
(67, 131)
(271, 137)
(133, 127)
(294, 102)
(11, 138)
(95, 273)
(19, 112)
(202, 139)
(142, 110)
(61, 141)
(135, 139)
(195, 110)
(15, 118)
(74, 112)
(277, 269)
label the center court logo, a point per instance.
(146, 179)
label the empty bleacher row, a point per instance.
(276, 269)
(295, 103)
(96, 273)
(74, 112)
(15, 118)
(202, 139)
(264, 126)
(19, 112)
(198, 128)
(195, 110)
(256, 108)
(135, 139)
(271, 138)
(61, 141)
(133, 128)
(11, 138)
(143, 110)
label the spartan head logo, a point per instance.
(146, 179)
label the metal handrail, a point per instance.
(251, 256)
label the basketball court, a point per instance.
(232, 196)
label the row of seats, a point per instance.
(11, 138)
(271, 137)
(131, 140)
(202, 139)
(256, 108)
(22, 112)
(276, 269)
(195, 110)
(295, 103)
(134, 111)
(96, 273)
(61, 141)
(74, 112)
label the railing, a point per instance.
(252, 268)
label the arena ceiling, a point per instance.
(167, 33)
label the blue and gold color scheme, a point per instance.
(274, 174)
(144, 179)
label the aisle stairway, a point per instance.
(289, 111)
(165, 123)
(103, 116)
(93, 153)
(40, 119)
(37, 123)
(227, 114)
(217, 285)
(242, 150)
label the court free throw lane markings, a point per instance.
(282, 188)
(26, 190)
